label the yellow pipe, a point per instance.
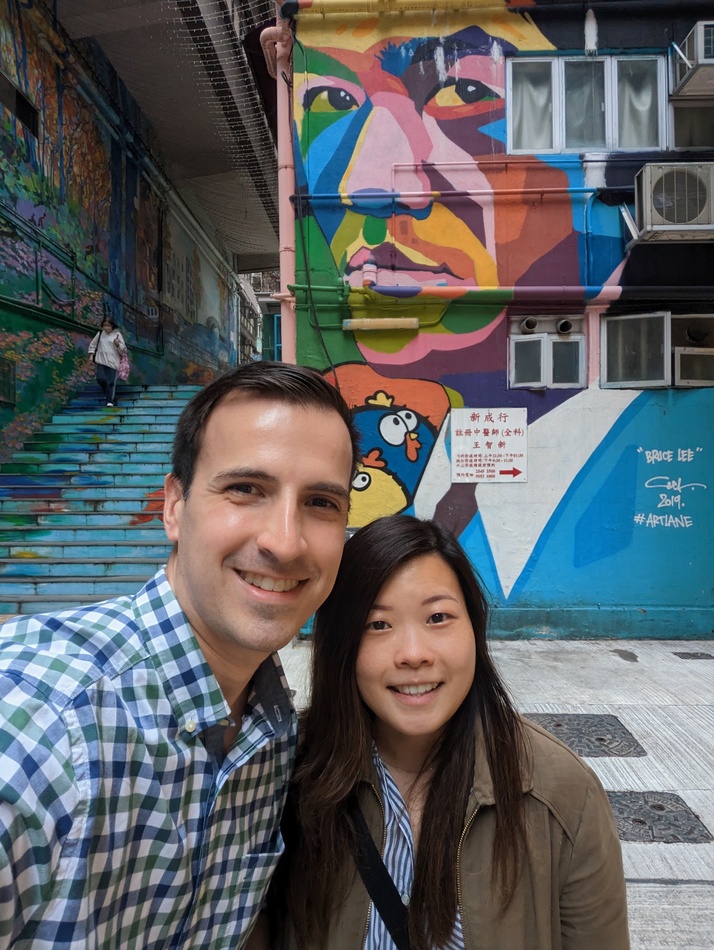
(381, 323)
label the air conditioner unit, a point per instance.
(674, 201)
(693, 63)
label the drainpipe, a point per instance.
(550, 294)
(293, 7)
(276, 42)
(667, 7)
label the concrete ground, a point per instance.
(666, 703)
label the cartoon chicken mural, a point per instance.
(398, 421)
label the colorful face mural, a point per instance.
(409, 204)
(400, 135)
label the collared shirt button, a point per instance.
(405, 899)
(190, 725)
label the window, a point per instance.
(589, 103)
(693, 366)
(19, 105)
(547, 360)
(650, 350)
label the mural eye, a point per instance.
(393, 429)
(409, 418)
(459, 92)
(329, 99)
(361, 481)
(471, 90)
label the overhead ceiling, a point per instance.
(186, 66)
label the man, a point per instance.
(146, 742)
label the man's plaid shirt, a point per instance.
(121, 824)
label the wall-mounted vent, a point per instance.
(693, 62)
(675, 202)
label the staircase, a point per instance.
(81, 506)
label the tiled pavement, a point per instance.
(642, 713)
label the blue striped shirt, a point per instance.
(398, 858)
(121, 822)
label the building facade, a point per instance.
(504, 236)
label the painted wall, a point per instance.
(408, 206)
(88, 229)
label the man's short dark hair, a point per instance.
(264, 379)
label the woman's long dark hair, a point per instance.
(335, 752)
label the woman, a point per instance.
(106, 350)
(496, 835)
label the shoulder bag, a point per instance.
(380, 886)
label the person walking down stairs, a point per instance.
(105, 351)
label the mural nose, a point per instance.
(396, 133)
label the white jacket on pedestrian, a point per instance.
(108, 352)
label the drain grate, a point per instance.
(592, 736)
(660, 817)
(694, 656)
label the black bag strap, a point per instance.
(377, 880)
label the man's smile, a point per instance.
(262, 581)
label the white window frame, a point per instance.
(660, 383)
(513, 342)
(556, 338)
(680, 351)
(611, 103)
(547, 340)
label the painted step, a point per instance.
(96, 468)
(78, 519)
(63, 535)
(43, 604)
(119, 414)
(152, 473)
(162, 389)
(47, 479)
(101, 428)
(175, 390)
(22, 550)
(45, 567)
(25, 506)
(97, 588)
(125, 397)
(96, 455)
(147, 402)
(114, 443)
(49, 493)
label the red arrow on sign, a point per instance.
(510, 471)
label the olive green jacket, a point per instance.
(571, 893)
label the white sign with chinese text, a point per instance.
(489, 445)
